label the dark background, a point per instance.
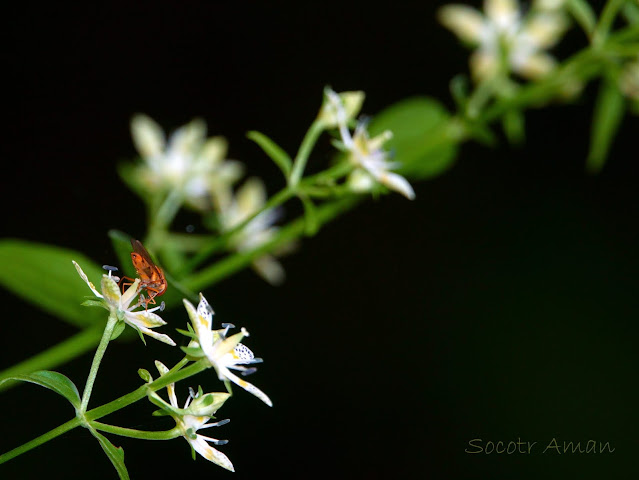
(500, 304)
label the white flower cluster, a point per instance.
(506, 40)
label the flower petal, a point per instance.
(270, 269)
(465, 22)
(163, 369)
(398, 183)
(249, 387)
(535, 66)
(86, 279)
(145, 319)
(148, 136)
(158, 336)
(211, 454)
(111, 291)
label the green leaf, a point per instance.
(117, 330)
(55, 381)
(513, 123)
(422, 141)
(459, 86)
(609, 110)
(273, 150)
(630, 10)
(310, 216)
(44, 275)
(122, 247)
(584, 15)
(115, 454)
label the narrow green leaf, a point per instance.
(55, 381)
(583, 14)
(273, 150)
(44, 275)
(513, 123)
(310, 216)
(121, 242)
(607, 116)
(117, 331)
(423, 142)
(115, 454)
(459, 90)
(630, 10)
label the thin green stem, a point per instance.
(229, 265)
(275, 201)
(299, 164)
(141, 392)
(125, 400)
(50, 435)
(52, 357)
(606, 19)
(99, 353)
(141, 434)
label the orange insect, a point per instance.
(151, 276)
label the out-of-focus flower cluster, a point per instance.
(194, 169)
(505, 40)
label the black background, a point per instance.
(500, 304)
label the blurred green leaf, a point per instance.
(459, 87)
(44, 275)
(609, 110)
(273, 150)
(630, 10)
(122, 247)
(310, 216)
(53, 381)
(584, 15)
(513, 123)
(115, 454)
(422, 140)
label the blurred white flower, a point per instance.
(250, 199)
(365, 153)
(340, 108)
(190, 424)
(189, 163)
(222, 352)
(629, 80)
(504, 39)
(121, 306)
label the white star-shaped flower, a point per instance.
(188, 163)
(502, 34)
(249, 199)
(222, 352)
(122, 306)
(189, 424)
(366, 153)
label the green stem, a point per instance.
(52, 357)
(299, 164)
(229, 265)
(608, 15)
(125, 400)
(141, 392)
(99, 353)
(50, 435)
(141, 434)
(275, 201)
